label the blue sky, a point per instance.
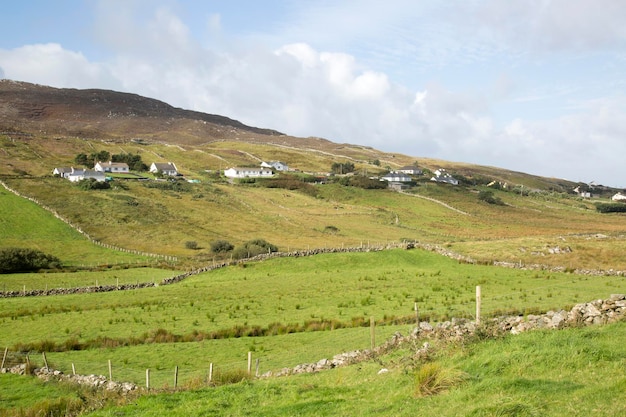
(537, 86)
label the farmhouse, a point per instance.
(410, 170)
(277, 165)
(85, 174)
(396, 176)
(62, 172)
(113, 167)
(237, 172)
(165, 168)
(442, 176)
(619, 197)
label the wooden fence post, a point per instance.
(110, 371)
(210, 372)
(45, 361)
(372, 332)
(256, 373)
(73, 369)
(478, 303)
(4, 357)
(176, 377)
(417, 316)
(249, 363)
(148, 378)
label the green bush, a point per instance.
(14, 260)
(253, 248)
(488, 197)
(611, 207)
(219, 246)
(93, 184)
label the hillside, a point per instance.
(45, 127)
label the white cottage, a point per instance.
(237, 172)
(113, 167)
(165, 168)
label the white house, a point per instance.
(237, 172)
(619, 197)
(410, 170)
(165, 168)
(442, 176)
(113, 167)
(62, 172)
(395, 176)
(85, 174)
(277, 165)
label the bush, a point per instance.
(219, 246)
(431, 378)
(488, 197)
(191, 244)
(611, 207)
(26, 260)
(253, 248)
(92, 184)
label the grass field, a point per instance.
(573, 372)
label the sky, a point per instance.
(537, 86)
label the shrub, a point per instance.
(611, 207)
(253, 248)
(219, 246)
(191, 244)
(488, 197)
(26, 260)
(92, 184)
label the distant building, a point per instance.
(395, 176)
(113, 167)
(410, 170)
(619, 197)
(277, 165)
(237, 172)
(85, 174)
(442, 176)
(165, 168)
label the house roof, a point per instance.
(164, 166)
(114, 164)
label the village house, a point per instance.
(410, 170)
(395, 176)
(277, 165)
(165, 168)
(62, 172)
(113, 167)
(442, 176)
(86, 174)
(619, 197)
(237, 172)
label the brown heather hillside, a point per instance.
(36, 113)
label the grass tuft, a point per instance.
(431, 378)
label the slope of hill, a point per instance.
(140, 216)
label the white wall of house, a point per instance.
(248, 172)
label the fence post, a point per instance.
(372, 332)
(210, 372)
(478, 303)
(417, 316)
(176, 377)
(249, 363)
(73, 369)
(148, 378)
(4, 357)
(256, 373)
(45, 361)
(110, 371)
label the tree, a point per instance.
(99, 156)
(83, 159)
(342, 168)
(488, 197)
